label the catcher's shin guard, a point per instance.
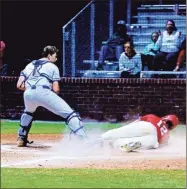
(23, 131)
(74, 122)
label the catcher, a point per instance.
(40, 83)
(148, 131)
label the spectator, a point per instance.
(182, 56)
(114, 46)
(169, 44)
(150, 51)
(130, 62)
(2, 49)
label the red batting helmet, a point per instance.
(171, 120)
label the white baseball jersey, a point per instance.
(40, 72)
(39, 76)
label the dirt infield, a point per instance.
(57, 151)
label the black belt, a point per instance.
(44, 86)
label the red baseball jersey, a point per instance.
(162, 131)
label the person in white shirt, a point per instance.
(169, 43)
(130, 63)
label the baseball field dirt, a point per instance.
(58, 151)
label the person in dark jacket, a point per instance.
(114, 46)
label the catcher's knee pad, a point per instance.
(25, 124)
(75, 124)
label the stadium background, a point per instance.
(29, 26)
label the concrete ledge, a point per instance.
(75, 80)
(123, 81)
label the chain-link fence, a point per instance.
(83, 35)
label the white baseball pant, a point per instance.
(139, 131)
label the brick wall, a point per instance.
(105, 99)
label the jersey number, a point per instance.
(163, 128)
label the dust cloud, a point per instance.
(74, 147)
(177, 142)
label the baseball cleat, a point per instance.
(130, 146)
(23, 143)
(156, 145)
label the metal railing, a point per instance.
(143, 74)
(149, 74)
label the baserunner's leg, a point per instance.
(130, 144)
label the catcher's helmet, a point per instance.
(171, 120)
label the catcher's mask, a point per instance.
(171, 120)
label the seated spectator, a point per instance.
(130, 62)
(114, 46)
(3, 67)
(169, 43)
(150, 51)
(182, 56)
